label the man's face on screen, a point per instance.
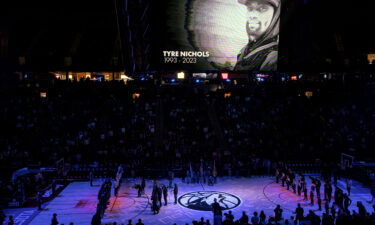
(259, 17)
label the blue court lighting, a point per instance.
(227, 80)
(173, 80)
(197, 81)
(142, 78)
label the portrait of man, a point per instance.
(262, 27)
(237, 34)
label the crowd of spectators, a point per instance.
(284, 123)
(188, 133)
(79, 122)
(159, 128)
(333, 216)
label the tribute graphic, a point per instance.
(222, 34)
(202, 200)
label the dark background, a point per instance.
(316, 35)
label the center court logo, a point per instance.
(202, 200)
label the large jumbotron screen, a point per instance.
(239, 35)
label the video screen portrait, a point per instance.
(222, 34)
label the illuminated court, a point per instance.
(77, 202)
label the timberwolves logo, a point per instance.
(202, 200)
